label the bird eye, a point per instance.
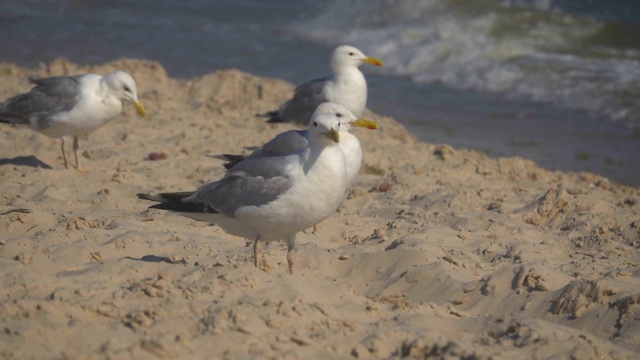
(338, 115)
(315, 123)
(127, 89)
(351, 54)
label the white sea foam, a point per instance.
(524, 49)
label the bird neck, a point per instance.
(105, 87)
(315, 153)
(348, 75)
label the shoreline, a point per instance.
(435, 250)
(556, 139)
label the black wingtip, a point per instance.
(275, 120)
(181, 207)
(144, 196)
(229, 165)
(8, 118)
(230, 159)
(274, 117)
(234, 158)
(173, 202)
(268, 114)
(165, 197)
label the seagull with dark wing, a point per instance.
(272, 198)
(347, 86)
(64, 106)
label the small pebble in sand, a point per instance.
(156, 156)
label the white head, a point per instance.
(324, 124)
(346, 117)
(124, 88)
(348, 56)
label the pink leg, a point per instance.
(64, 155)
(255, 251)
(291, 243)
(75, 151)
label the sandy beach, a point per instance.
(437, 252)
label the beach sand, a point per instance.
(437, 252)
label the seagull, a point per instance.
(347, 86)
(62, 106)
(292, 141)
(272, 198)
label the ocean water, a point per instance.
(554, 81)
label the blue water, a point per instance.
(554, 81)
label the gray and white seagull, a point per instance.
(347, 86)
(62, 106)
(272, 198)
(292, 141)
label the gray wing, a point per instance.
(306, 99)
(252, 182)
(50, 96)
(286, 143)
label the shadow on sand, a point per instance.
(157, 259)
(30, 161)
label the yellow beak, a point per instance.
(333, 135)
(141, 111)
(373, 61)
(365, 123)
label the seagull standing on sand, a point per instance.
(347, 86)
(292, 141)
(64, 106)
(272, 198)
